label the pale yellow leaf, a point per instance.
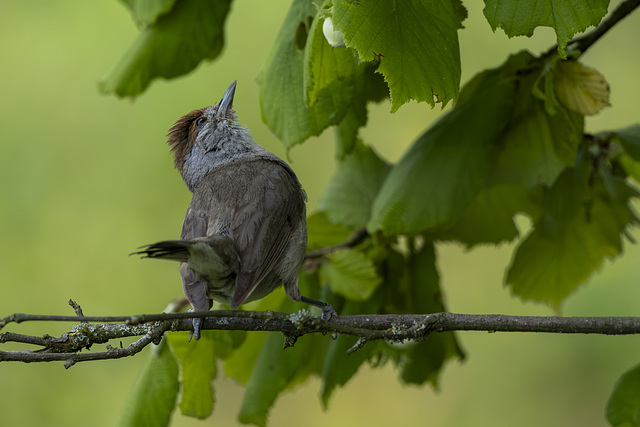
(580, 88)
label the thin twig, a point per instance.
(622, 11)
(584, 42)
(355, 239)
(76, 307)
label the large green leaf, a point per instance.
(631, 166)
(353, 187)
(582, 226)
(335, 72)
(424, 360)
(153, 395)
(542, 136)
(370, 87)
(448, 165)
(538, 145)
(274, 369)
(198, 370)
(306, 85)
(346, 132)
(623, 407)
(172, 46)
(146, 12)
(528, 157)
(282, 83)
(323, 233)
(339, 367)
(489, 217)
(566, 17)
(630, 139)
(351, 273)
(325, 66)
(241, 364)
(277, 369)
(416, 43)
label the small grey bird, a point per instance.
(245, 232)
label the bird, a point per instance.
(245, 232)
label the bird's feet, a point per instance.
(327, 312)
(197, 323)
(327, 309)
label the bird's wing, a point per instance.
(194, 225)
(263, 230)
(258, 203)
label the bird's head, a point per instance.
(208, 138)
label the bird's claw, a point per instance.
(197, 323)
(327, 312)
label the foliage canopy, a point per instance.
(513, 144)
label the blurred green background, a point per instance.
(87, 178)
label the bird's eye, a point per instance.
(201, 120)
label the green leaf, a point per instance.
(630, 139)
(198, 370)
(424, 68)
(631, 166)
(339, 367)
(370, 87)
(225, 343)
(581, 227)
(276, 369)
(282, 83)
(423, 281)
(307, 85)
(623, 407)
(153, 395)
(325, 66)
(538, 145)
(489, 217)
(172, 46)
(353, 187)
(346, 132)
(323, 233)
(424, 360)
(394, 291)
(146, 12)
(445, 169)
(566, 17)
(528, 157)
(543, 87)
(352, 274)
(272, 372)
(241, 364)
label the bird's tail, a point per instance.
(174, 250)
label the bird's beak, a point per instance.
(226, 103)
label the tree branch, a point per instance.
(355, 239)
(584, 42)
(392, 327)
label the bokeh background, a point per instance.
(87, 178)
